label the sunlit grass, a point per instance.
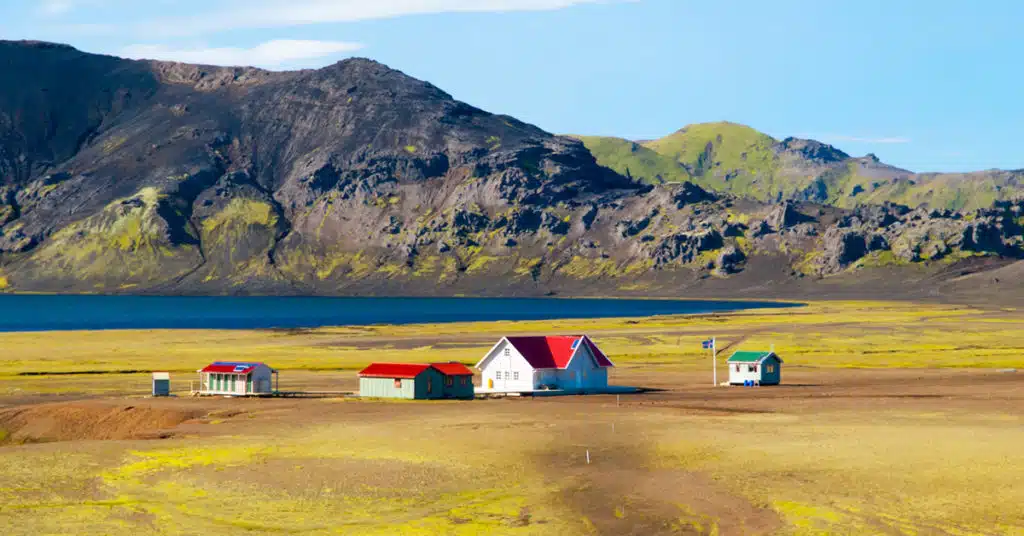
(497, 468)
(820, 335)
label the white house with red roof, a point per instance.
(236, 379)
(527, 364)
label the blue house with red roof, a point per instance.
(528, 364)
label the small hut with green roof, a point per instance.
(757, 368)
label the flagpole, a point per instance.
(714, 360)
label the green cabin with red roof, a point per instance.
(411, 381)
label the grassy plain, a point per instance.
(895, 419)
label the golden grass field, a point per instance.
(895, 419)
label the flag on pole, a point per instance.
(709, 344)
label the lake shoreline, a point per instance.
(39, 313)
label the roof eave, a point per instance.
(489, 352)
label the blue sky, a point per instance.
(927, 85)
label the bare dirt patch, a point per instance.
(619, 494)
(78, 421)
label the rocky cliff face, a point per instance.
(159, 177)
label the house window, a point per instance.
(737, 368)
(398, 384)
(751, 368)
(508, 352)
(449, 381)
(771, 369)
(464, 380)
(515, 375)
(430, 386)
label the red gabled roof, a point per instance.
(406, 371)
(453, 369)
(224, 367)
(555, 352)
(602, 360)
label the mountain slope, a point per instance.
(357, 179)
(727, 157)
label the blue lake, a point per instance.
(55, 313)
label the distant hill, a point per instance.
(727, 157)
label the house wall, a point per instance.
(761, 376)
(743, 374)
(385, 388)
(263, 380)
(462, 387)
(772, 378)
(583, 373)
(161, 387)
(220, 383)
(507, 372)
(428, 385)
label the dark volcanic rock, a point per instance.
(843, 247)
(685, 247)
(730, 260)
(815, 151)
(785, 216)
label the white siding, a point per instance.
(583, 372)
(263, 380)
(507, 370)
(500, 371)
(737, 377)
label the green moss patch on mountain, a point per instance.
(635, 160)
(128, 244)
(727, 157)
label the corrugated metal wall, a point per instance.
(427, 386)
(386, 388)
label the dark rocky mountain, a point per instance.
(140, 176)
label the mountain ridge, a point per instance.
(155, 177)
(734, 158)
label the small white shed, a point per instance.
(755, 368)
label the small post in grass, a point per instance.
(588, 456)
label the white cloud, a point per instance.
(238, 14)
(54, 8)
(270, 55)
